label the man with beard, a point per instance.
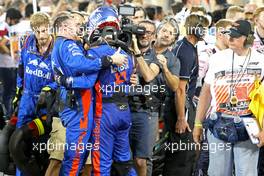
(34, 71)
(164, 71)
(35, 76)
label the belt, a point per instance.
(115, 100)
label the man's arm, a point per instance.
(204, 102)
(171, 79)
(202, 108)
(181, 123)
(149, 72)
(78, 63)
(84, 81)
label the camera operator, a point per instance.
(144, 106)
(166, 68)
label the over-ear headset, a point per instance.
(249, 40)
(194, 25)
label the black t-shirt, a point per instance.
(188, 57)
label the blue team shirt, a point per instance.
(37, 69)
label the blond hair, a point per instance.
(222, 24)
(258, 11)
(196, 9)
(194, 20)
(232, 11)
(39, 19)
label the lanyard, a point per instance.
(233, 97)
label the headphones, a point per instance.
(249, 40)
(198, 31)
(194, 26)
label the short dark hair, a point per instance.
(59, 21)
(83, 6)
(159, 9)
(13, 14)
(151, 11)
(29, 10)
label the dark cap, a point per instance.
(13, 13)
(239, 28)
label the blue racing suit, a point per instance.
(112, 114)
(70, 59)
(34, 73)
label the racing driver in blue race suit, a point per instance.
(112, 114)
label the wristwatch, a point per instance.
(138, 55)
(109, 58)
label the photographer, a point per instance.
(166, 68)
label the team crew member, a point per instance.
(34, 72)
(180, 127)
(76, 74)
(226, 89)
(35, 76)
(58, 133)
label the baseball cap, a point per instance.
(239, 28)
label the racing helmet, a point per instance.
(102, 17)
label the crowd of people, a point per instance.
(85, 92)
